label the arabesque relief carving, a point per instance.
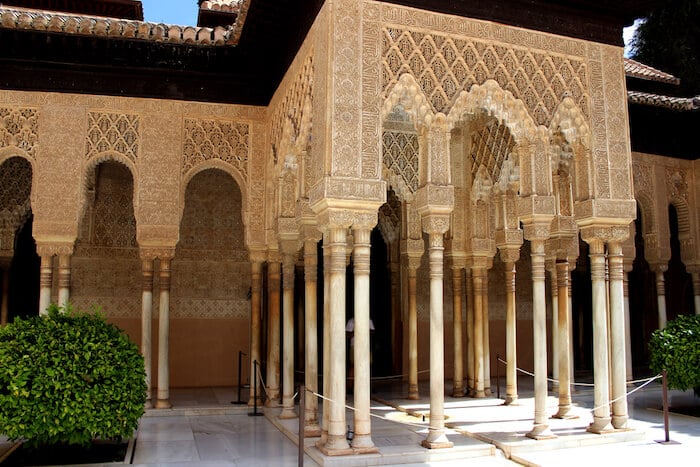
(19, 127)
(113, 132)
(228, 141)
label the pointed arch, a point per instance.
(647, 210)
(408, 94)
(89, 174)
(685, 233)
(9, 152)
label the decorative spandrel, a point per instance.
(113, 132)
(19, 127)
(228, 141)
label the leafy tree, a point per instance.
(69, 378)
(669, 39)
(676, 348)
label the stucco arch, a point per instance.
(408, 93)
(570, 122)
(685, 231)
(88, 173)
(496, 102)
(237, 177)
(648, 218)
(9, 152)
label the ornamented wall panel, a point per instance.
(113, 132)
(19, 127)
(228, 141)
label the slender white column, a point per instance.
(511, 326)
(361, 262)
(457, 325)
(147, 323)
(436, 430)
(661, 295)
(617, 336)
(601, 398)
(487, 335)
(554, 291)
(63, 279)
(412, 332)
(4, 312)
(471, 388)
(540, 430)
(326, 336)
(478, 332)
(696, 291)
(628, 338)
(288, 337)
(255, 318)
(336, 442)
(563, 357)
(45, 282)
(273, 332)
(163, 396)
(311, 426)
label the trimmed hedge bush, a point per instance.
(69, 377)
(676, 348)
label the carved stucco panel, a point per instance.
(19, 127)
(371, 90)
(112, 132)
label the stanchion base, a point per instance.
(256, 414)
(238, 402)
(670, 441)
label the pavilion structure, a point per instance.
(225, 187)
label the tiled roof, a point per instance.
(639, 70)
(36, 20)
(226, 6)
(674, 103)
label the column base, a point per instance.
(564, 413)
(413, 395)
(619, 422)
(479, 394)
(512, 400)
(541, 432)
(335, 445)
(458, 391)
(163, 404)
(272, 403)
(363, 444)
(148, 404)
(312, 430)
(436, 440)
(487, 392)
(600, 426)
(287, 413)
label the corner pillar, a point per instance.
(617, 336)
(147, 321)
(289, 252)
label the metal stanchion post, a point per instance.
(302, 407)
(255, 412)
(239, 401)
(664, 392)
(498, 376)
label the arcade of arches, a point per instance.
(458, 185)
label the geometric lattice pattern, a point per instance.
(401, 156)
(19, 128)
(444, 66)
(113, 132)
(490, 146)
(210, 139)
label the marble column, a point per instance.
(311, 427)
(601, 399)
(696, 290)
(554, 292)
(326, 336)
(64, 279)
(362, 441)
(511, 332)
(288, 263)
(255, 325)
(436, 430)
(478, 330)
(563, 360)
(540, 429)
(659, 270)
(487, 335)
(147, 323)
(273, 331)
(412, 330)
(163, 395)
(471, 389)
(45, 282)
(4, 312)
(617, 336)
(629, 370)
(457, 325)
(336, 442)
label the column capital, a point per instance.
(435, 199)
(344, 218)
(509, 254)
(57, 248)
(605, 233)
(152, 253)
(274, 256)
(435, 223)
(257, 255)
(536, 230)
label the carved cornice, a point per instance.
(347, 192)
(605, 211)
(435, 199)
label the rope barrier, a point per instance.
(262, 383)
(551, 380)
(649, 380)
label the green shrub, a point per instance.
(676, 348)
(69, 378)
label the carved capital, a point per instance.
(257, 255)
(536, 231)
(51, 249)
(152, 253)
(435, 199)
(509, 254)
(435, 223)
(605, 233)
